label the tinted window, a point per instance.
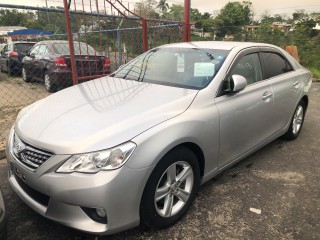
(79, 48)
(22, 47)
(180, 67)
(35, 50)
(42, 50)
(274, 64)
(249, 67)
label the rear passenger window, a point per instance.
(274, 64)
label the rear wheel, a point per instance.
(48, 83)
(296, 122)
(25, 76)
(171, 189)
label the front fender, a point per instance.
(200, 127)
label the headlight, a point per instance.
(103, 160)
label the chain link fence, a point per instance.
(34, 63)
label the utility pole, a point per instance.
(187, 29)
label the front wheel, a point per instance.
(171, 189)
(25, 76)
(48, 83)
(296, 122)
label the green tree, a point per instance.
(232, 17)
(195, 15)
(176, 12)
(146, 9)
(299, 14)
(163, 5)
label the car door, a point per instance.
(28, 61)
(285, 82)
(244, 116)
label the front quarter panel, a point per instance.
(198, 125)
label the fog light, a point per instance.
(101, 212)
(96, 214)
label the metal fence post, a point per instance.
(119, 48)
(186, 29)
(145, 34)
(70, 40)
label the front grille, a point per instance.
(28, 155)
(35, 195)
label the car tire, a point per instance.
(166, 198)
(48, 83)
(25, 77)
(296, 122)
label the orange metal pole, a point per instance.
(70, 39)
(145, 35)
(186, 29)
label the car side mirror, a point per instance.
(237, 83)
(32, 55)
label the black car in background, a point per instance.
(11, 56)
(49, 61)
(3, 223)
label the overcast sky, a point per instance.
(212, 6)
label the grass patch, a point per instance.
(315, 72)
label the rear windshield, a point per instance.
(79, 49)
(22, 47)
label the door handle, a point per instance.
(266, 96)
(296, 84)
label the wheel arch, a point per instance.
(197, 151)
(306, 100)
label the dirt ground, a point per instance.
(282, 180)
(14, 95)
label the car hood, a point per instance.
(99, 114)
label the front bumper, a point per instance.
(118, 192)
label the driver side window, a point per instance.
(249, 67)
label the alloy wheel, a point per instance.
(297, 119)
(24, 74)
(174, 189)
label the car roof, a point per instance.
(56, 41)
(224, 45)
(23, 42)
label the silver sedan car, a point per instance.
(133, 148)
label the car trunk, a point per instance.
(87, 65)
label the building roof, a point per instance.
(5, 29)
(29, 32)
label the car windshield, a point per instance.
(180, 67)
(22, 47)
(79, 49)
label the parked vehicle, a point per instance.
(11, 56)
(3, 220)
(134, 147)
(49, 61)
